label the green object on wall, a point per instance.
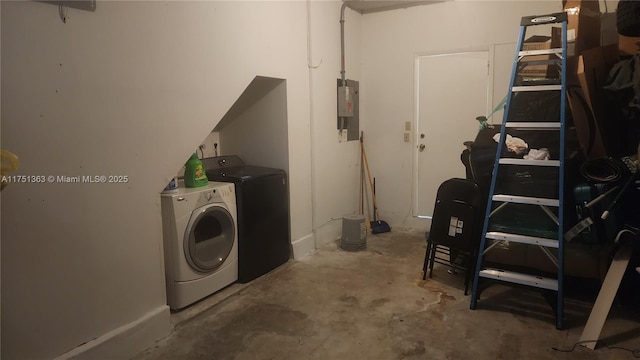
(195, 174)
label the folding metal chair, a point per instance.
(454, 235)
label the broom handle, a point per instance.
(366, 163)
(362, 185)
(375, 207)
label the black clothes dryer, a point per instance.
(262, 199)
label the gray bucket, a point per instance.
(354, 233)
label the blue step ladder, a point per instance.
(542, 226)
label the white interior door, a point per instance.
(503, 56)
(451, 91)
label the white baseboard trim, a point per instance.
(329, 232)
(303, 246)
(125, 341)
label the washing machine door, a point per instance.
(209, 238)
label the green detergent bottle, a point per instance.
(194, 173)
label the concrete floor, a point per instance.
(373, 304)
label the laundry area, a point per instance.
(344, 179)
(226, 221)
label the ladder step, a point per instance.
(520, 278)
(510, 161)
(542, 125)
(536, 88)
(543, 19)
(526, 200)
(540, 52)
(527, 62)
(523, 239)
(534, 81)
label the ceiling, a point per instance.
(370, 6)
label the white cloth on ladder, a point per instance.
(514, 144)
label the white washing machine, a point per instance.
(200, 241)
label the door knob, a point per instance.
(421, 147)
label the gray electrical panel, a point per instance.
(348, 110)
(345, 101)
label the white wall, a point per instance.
(258, 135)
(132, 89)
(392, 39)
(335, 165)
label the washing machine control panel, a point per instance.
(217, 194)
